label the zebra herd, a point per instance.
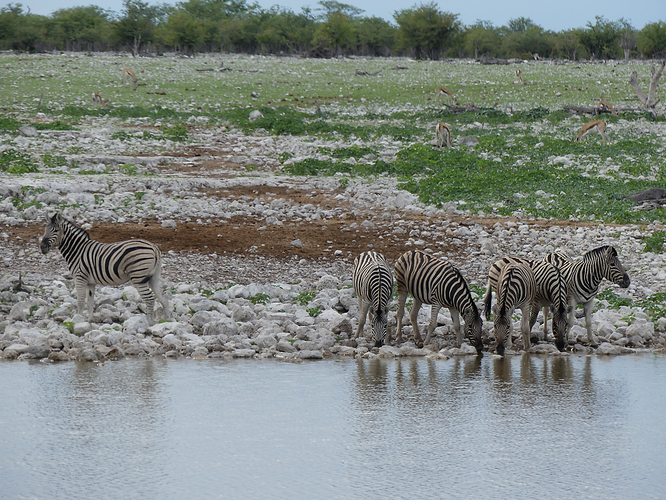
(555, 282)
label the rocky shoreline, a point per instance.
(259, 265)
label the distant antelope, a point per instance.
(129, 76)
(443, 134)
(441, 91)
(605, 107)
(519, 75)
(96, 99)
(593, 127)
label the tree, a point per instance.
(183, 30)
(138, 24)
(651, 40)
(481, 38)
(376, 36)
(627, 38)
(19, 30)
(426, 30)
(602, 39)
(567, 44)
(523, 38)
(75, 26)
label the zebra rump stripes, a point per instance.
(516, 288)
(584, 276)
(373, 284)
(551, 291)
(92, 262)
(434, 281)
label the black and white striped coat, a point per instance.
(516, 288)
(584, 276)
(551, 292)
(94, 263)
(373, 284)
(436, 282)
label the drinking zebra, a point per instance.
(516, 288)
(373, 284)
(436, 282)
(551, 291)
(583, 278)
(92, 262)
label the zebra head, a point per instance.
(612, 267)
(502, 324)
(53, 233)
(473, 327)
(561, 325)
(379, 325)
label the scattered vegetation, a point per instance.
(304, 298)
(655, 242)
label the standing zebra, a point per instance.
(516, 288)
(551, 291)
(436, 282)
(92, 262)
(373, 283)
(583, 277)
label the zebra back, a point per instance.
(436, 281)
(516, 286)
(103, 263)
(493, 278)
(373, 283)
(584, 276)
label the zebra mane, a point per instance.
(69, 227)
(596, 252)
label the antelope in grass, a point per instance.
(593, 127)
(129, 76)
(605, 107)
(443, 91)
(519, 76)
(98, 101)
(443, 134)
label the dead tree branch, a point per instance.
(649, 101)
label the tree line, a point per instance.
(333, 28)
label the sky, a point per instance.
(554, 16)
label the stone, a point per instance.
(136, 324)
(308, 354)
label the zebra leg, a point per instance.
(402, 298)
(148, 297)
(587, 308)
(81, 285)
(363, 312)
(413, 316)
(572, 317)
(525, 326)
(90, 297)
(455, 316)
(434, 310)
(545, 322)
(155, 284)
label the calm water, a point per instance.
(517, 428)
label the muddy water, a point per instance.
(521, 428)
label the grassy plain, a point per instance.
(525, 164)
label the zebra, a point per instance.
(373, 284)
(436, 282)
(93, 263)
(551, 290)
(583, 278)
(516, 288)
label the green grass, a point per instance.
(524, 137)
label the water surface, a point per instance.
(522, 427)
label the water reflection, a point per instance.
(513, 427)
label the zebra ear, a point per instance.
(495, 309)
(56, 218)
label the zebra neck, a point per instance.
(73, 240)
(591, 277)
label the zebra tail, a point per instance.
(488, 301)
